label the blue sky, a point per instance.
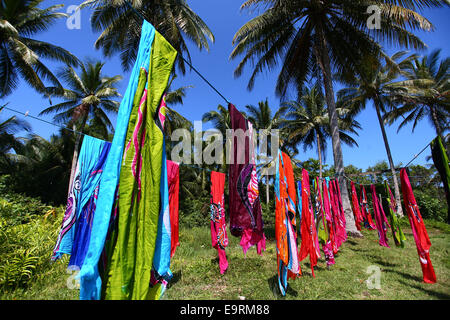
(224, 18)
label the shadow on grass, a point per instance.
(273, 286)
(175, 278)
(405, 275)
(438, 295)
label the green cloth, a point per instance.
(440, 160)
(139, 184)
(391, 209)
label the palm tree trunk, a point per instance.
(391, 162)
(76, 153)
(319, 151)
(324, 63)
(437, 126)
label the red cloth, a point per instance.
(355, 206)
(219, 237)
(337, 213)
(380, 218)
(329, 217)
(420, 234)
(310, 240)
(173, 179)
(368, 222)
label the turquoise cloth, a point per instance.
(90, 281)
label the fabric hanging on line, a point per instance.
(245, 207)
(75, 232)
(355, 206)
(368, 222)
(141, 202)
(419, 231)
(299, 206)
(322, 226)
(342, 220)
(173, 176)
(161, 274)
(397, 233)
(380, 218)
(337, 212)
(219, 237)
(90, 280)
(329, 220)
(440, 160)
(310, 241)
(285, 224)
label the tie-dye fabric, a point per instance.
(76, 227)
(368, 222)
(285, 222)
(380, 218)
(310, 240)
(397, 233)
(338, 213)
(419, 231)
(245, 208)
(90, 280)
(173, 176)
(143, 165)
(331, 226)
(218, 224)
(355, 207)
(440, 160)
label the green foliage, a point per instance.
(17, 270)
(430, 206)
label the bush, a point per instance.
(431, 207)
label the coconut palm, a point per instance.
(378, 82)
(20, 54)
(314, 36)
(120, 26)
(307, 122)
(428, 84)
(88, 98)
(8, 140)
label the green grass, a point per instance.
(196, 271)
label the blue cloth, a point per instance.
(90, 281)
(82, 189)
(93, 156)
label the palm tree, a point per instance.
(378, 83)
(307, 122)
(428, 84)
(20, 54)
(87, 100)
(120, 26)
(316, 36)
(262, 119)
(8, 140)
(40, 167)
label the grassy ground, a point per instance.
(196, 272)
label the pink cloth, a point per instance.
(219, 237)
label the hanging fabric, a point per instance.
(219, 237)
(322, 226)
(329, 220)
(143, 196)
(380, 218)
(337, 212)
(299, 205)
(245, 207)
(355, 206)
(173, 176)
(161, 274)
(90, 281)
(310, 241)
(440, 160)
(419, 231)
(368, 222)
(397, 233)
(342, 220)
(285, 223)
(75, 233)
